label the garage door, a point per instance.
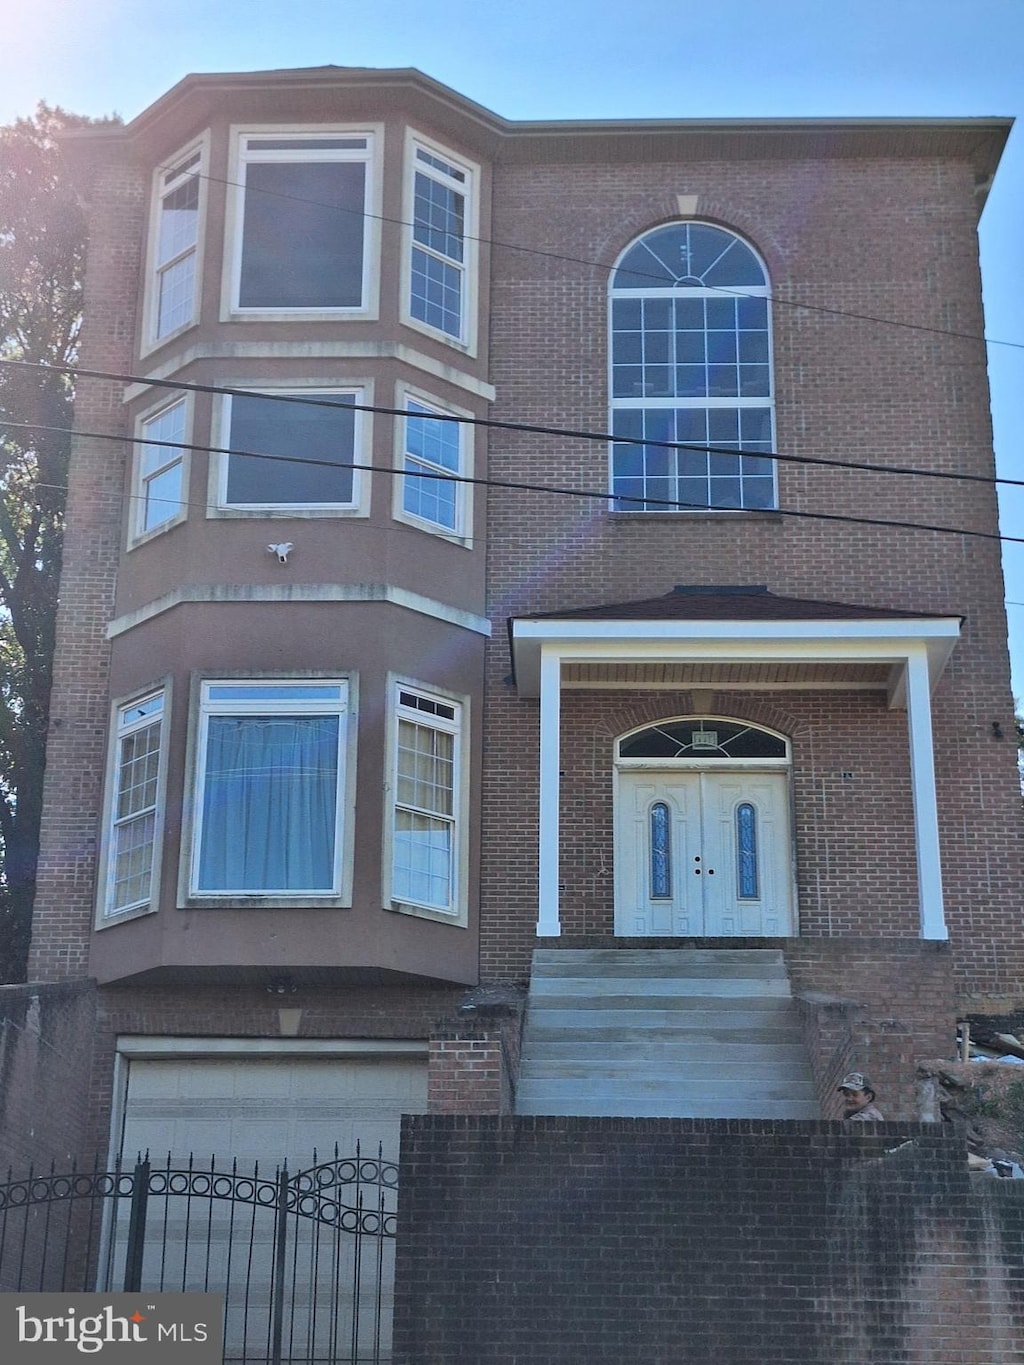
(237, 1109)
(269, 1109)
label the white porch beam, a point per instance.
(548, 922)
(862, 642)
(922, 779)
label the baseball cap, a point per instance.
(855, 1080)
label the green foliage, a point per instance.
(42, 246)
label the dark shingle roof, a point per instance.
(694, 602)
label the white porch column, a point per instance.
(922, 778)
(548, 925)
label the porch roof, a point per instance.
(731, 636)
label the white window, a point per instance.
(295, 452)
(442, 248)
(161, 468)
(691, 363)
(427, 817)
(270, 784)
(175, 245)
(432, 457)
(302, 231)
(135, 784)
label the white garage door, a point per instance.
(269, 1108)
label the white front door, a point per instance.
(703, 853)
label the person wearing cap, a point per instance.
(859, 1099)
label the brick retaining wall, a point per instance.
(570, 1241)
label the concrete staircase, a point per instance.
(683, 1033)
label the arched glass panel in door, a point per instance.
(746, 851)
(691, 363)
(660, 852)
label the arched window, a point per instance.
(691, 362)
(702, 738)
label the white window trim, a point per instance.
(231, 310)
(151, 304)
(463, 532)
(700, 403)
(191, 898)
(104, 916)
(467, 341)
(362, 393)
(136, 506)
(459, 913)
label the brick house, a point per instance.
(339, 736)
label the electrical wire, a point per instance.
(529, 428)
(609, 266)
(645, 502)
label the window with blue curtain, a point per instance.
(270, 788)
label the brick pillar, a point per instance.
(472, 1071)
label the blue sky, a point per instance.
(572, 59)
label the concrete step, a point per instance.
(689, 1107)
(597, 1032)
(663, 1032)
(597, 962)
(771, 1027)
(618, 1008)
(639, 985)
(749, 1081)
(667, 1049)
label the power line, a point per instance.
(667, 504)
(609, 266)
(528, 428)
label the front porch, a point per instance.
(848, 834)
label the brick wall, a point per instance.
(539, 1241)
(876, 237)
(873, 1005)
(46, 1040)
(79, 709)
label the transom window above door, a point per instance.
(703, 738)
(691, 364)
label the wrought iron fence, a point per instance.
(305, 1261)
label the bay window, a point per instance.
(432, 456)
(292, 456)
(427, 820)
(270, 788)
(302, 226)
(135, 788)
(174, 250)
(161, 464)
(442, 248)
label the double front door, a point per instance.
(703, 853)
